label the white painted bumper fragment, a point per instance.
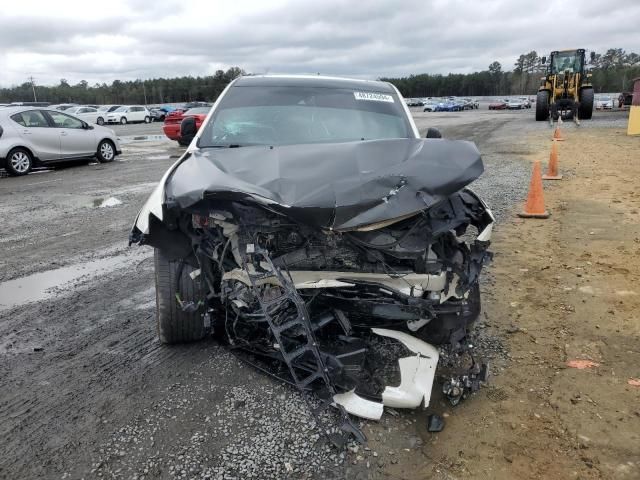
(416, 380)
(361, 407)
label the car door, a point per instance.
(75, 140)
(138, 114)
(89, 114)
(35, 131)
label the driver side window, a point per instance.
(61, 120)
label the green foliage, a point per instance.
(157, 90)
(612, 72)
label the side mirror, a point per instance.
(188, 127)
(433, 133)
(544, 60)
(86, 126)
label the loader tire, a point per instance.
(585, 110)
(542, 106)
(180, 301)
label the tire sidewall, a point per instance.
(100, 121)
(123, 121)
(174, 281)
(99, 155)
(11, 170)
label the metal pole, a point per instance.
(144, 89)
(33, 87)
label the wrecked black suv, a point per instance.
(310, 227)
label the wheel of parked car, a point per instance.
(123, 120)
(106, 151)
(19, 162)
(147, 120)
(100, 121)
(179, 300)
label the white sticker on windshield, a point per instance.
(373, 97)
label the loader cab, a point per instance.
(565, 60)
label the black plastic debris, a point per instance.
(435, 423)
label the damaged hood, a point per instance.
(340, 186)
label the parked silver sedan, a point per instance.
(36, 136)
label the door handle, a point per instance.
(26, 132)
(63, 134)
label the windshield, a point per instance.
(121, 109)
(564, 61)
(279, 115)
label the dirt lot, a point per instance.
(86, 391)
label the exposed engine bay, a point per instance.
(316, 297)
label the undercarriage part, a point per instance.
(303, 360)
(459, 387)
(435, 423)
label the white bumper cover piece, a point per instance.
(416, 380)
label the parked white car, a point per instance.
(604, 103)
(514, 104)
(129, 114)
(88, 114)
(526, 103)
(104, 109)
(63, 106)
(429, 106)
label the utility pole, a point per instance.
(144, 89)
(33, 87)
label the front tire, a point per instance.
(19, 162)
(123, 121)
(542, 106)
(147, 120)
(585, 110)
(100, 121)
(179, 301)
(106, 151)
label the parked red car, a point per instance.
(499, 105)
(173, 120)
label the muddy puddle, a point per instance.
(142, 138)
(65, 280)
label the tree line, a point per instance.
(612, 72)
(155, 90)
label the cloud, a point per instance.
(128, 39)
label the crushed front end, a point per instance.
(328, 296)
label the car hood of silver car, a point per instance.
(339, 186)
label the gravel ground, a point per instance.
(87, 391)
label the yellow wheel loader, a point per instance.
(566, 89)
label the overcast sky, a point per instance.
(129, 39)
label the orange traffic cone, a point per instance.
(552, 168)
(557, 135)
(534, 208)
